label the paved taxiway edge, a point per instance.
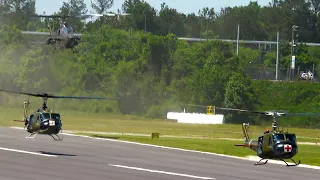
(248, 158)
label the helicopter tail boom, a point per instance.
(251, 144)
(18, 120)
(247, 142)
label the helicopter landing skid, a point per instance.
(56, 137)
(74, 50)
(32, 135)
(295, 164)
(56, 48)
(258, 163)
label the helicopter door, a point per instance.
(270, 142)
(260, 144)
(30, 121)
(38, 118)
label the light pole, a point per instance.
(238, 36)
(277, 61)
(293, 45)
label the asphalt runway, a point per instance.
(80, 158)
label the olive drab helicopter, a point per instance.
(64, 37)
(275, 144)
(45, 121)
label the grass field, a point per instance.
(103, 122)
(200, 137)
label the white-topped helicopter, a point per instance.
(65, 37)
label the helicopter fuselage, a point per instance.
(277, 146)
(64, 42)
(44, 123)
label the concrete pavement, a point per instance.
(87, 158)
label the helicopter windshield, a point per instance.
(64, 31)
(291, 137)
(45, 116)
(278, 137)
(53, 116)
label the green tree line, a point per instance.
(256, 22)
(151, 74)
(154, 73)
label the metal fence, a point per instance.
(269, 73)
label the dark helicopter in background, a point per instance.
(45, 121)
(64, 37)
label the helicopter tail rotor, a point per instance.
(247, 142)
(245, 129)
(25, 109)
(50, 30)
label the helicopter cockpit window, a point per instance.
(291, 137)
(278, 137)
(38, 119)
(260, 140)
(55, 116)
(45, 116)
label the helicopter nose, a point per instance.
(44, 124)
(48, 123)
(285, 148)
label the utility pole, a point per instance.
(277, 62)
(145, 22)
(293, 57)
(238, 34)
(207, 34)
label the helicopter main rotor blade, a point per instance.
(105, 14)
(81, 97)
(302, 114)
(80, 16)
(53, 16)
(272, 113)
(267, 113)
(45, 95)
(67, 16)
(90, 15)
(240, 110)
(23, 93)
(231, 109)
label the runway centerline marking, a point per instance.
(161, 172)
(27, 152)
